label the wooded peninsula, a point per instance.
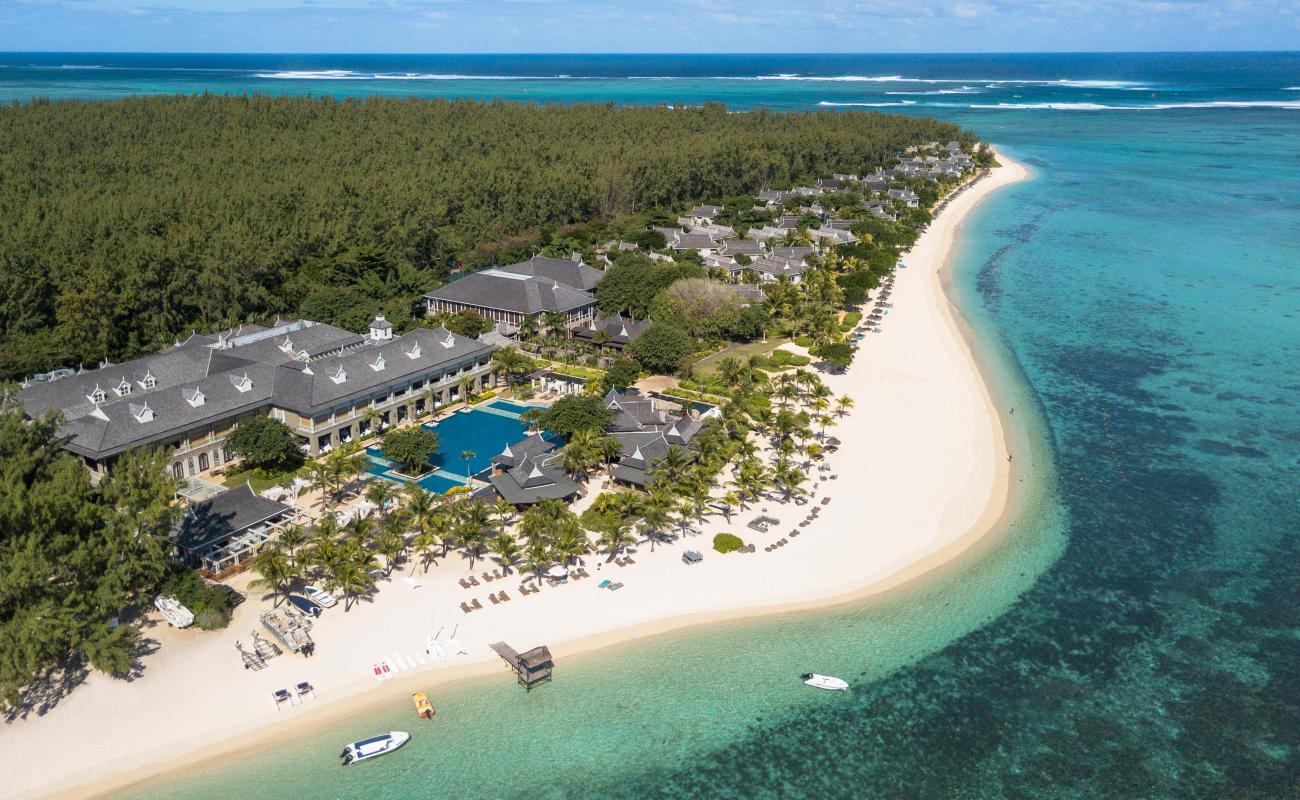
(127, 224)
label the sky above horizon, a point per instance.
(667, 26)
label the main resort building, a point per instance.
(326, 384)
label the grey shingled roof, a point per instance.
(531, 482)
(516, 452)
(223, 516)
(620, 330)
(305, 388)
(561, 270)
(512, 291)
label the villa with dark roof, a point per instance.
(618, 331)
(524, 475)
(511, 294)
(320, 381)
(645, 433)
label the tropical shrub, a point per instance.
(727, 543)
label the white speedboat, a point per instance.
(374, 747)
(826, 682)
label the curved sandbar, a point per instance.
(923, 474)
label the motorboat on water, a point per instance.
(374, 747)
(826, 682)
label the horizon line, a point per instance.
(713, 54)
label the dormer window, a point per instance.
(97, 396)
(241, 382)
(378, 364)
(147, 381)
(195, 398)
(339, 375)
(123, 388)
(449, 342)
(142, 413)
(414, 352)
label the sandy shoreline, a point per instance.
(911, 497)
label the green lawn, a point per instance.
(709, 364)
(260, 484)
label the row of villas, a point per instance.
(326, 384)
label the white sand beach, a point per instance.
(922, 474)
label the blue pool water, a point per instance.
(479, 431)
(513, 408)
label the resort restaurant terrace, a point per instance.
(219, 534)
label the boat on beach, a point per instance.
(827, 682)
(373, 747)
(423, 708)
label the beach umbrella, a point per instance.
(557, 571)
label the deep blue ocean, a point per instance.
(1134, 633)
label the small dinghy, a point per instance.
(826, 682)
(374, 747)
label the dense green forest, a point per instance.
(125, 224)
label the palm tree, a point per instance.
(843, 404)
(466, 386)
(471, 527)
(581, 452)
(506, 549)
(390, 545)
(424, 544)
(536, 560)
(610, 449)
(442, 528)
(655, 516)
(615, 535)
(554, 322)
(371, 417)
(570, 543)
(670, 467)
(324, 555)
(467, 456)
(732, 499)
(528, 327)
(419, 505)
(731, 370)
(504, 511)
(291, 539)
(533, 419)
(354, 579)
(379, 492)
(275, 570)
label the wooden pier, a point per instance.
(532, 667)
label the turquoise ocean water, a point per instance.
(1132, 633)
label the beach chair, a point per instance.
(465, 607)
(487, 577)
(505, 598)
(477, 605)
(412, 582)
(281, 696)
(604, 583)
(473, 581)
(614, 586)
(305, 689)
(464, 584)
(493, 598)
